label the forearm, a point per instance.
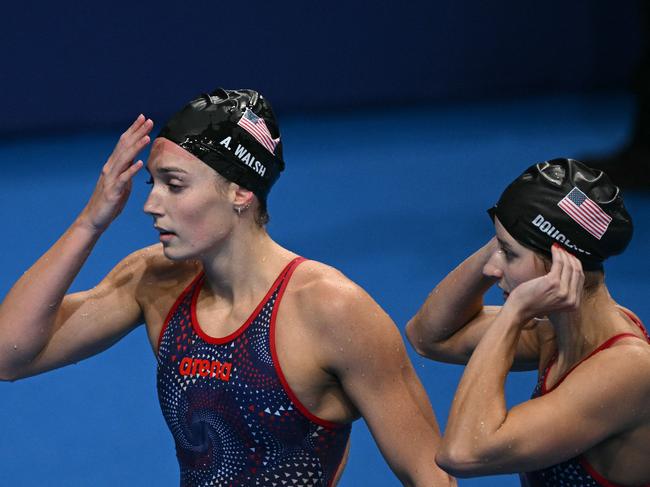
(28, 312)
(472, 442)
(453, 302)
(433, 476)
(415, 463)
(429, 474)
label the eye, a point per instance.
(175, 184)
(506, 253)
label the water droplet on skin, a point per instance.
(15, 347)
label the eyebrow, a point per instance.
(168, 169)
(171, 169)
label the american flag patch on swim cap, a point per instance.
(255, 126)
(585, 212)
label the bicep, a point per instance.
(580, 413)
(458, 348)
(89, 322)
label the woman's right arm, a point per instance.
(36, 307)
(453, 319)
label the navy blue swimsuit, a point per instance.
(234, 419)
(575, 472)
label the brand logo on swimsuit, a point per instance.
(205, 368)
(547, 227)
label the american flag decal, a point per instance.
(585, 212)
(255, 126)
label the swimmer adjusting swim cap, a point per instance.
(235, 133)
(563, 201)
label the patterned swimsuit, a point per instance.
(575, 472)
(233, 416)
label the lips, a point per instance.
(164, 234)
(163, 231)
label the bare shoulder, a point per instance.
(323, 288)
(625, 370)
(334, 304)
(159, 268)
(157, 283)
(150, 273)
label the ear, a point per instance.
(243, 197)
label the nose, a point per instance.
(152, 204)
(492, 267)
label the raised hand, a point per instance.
(114, 185)
(559, 290)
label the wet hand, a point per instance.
(114, 185)
(559, 290)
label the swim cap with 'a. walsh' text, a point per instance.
(234, 132)
(563, 201)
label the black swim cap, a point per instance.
(563, 201)
(235, 133)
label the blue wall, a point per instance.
(74, 64)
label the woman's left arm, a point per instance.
(483, 437)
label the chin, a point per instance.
(176, 255)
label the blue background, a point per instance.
(401, 124)
(72, 64)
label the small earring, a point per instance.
(239, 209)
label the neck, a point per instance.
(247, 262)
(578, 333)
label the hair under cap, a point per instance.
(563, 201)
(234, 132)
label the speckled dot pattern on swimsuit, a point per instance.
(234, 419)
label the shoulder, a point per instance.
(322, 288)
(630, 359)
(161, 269)
(334, 305)
(148, 272)
(621, 371)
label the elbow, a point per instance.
(10, 374)
(6, 377)
(422, 344)
(459, 462)
(415, 337)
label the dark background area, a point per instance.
(75, 65)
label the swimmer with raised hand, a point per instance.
(264, 358)
(33, 337)
(588, 422)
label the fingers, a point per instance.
(571, 277)
(576, 284)
(132, 141)
(135, 138)
(558, 262)
(137, 123)
(127, 175)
